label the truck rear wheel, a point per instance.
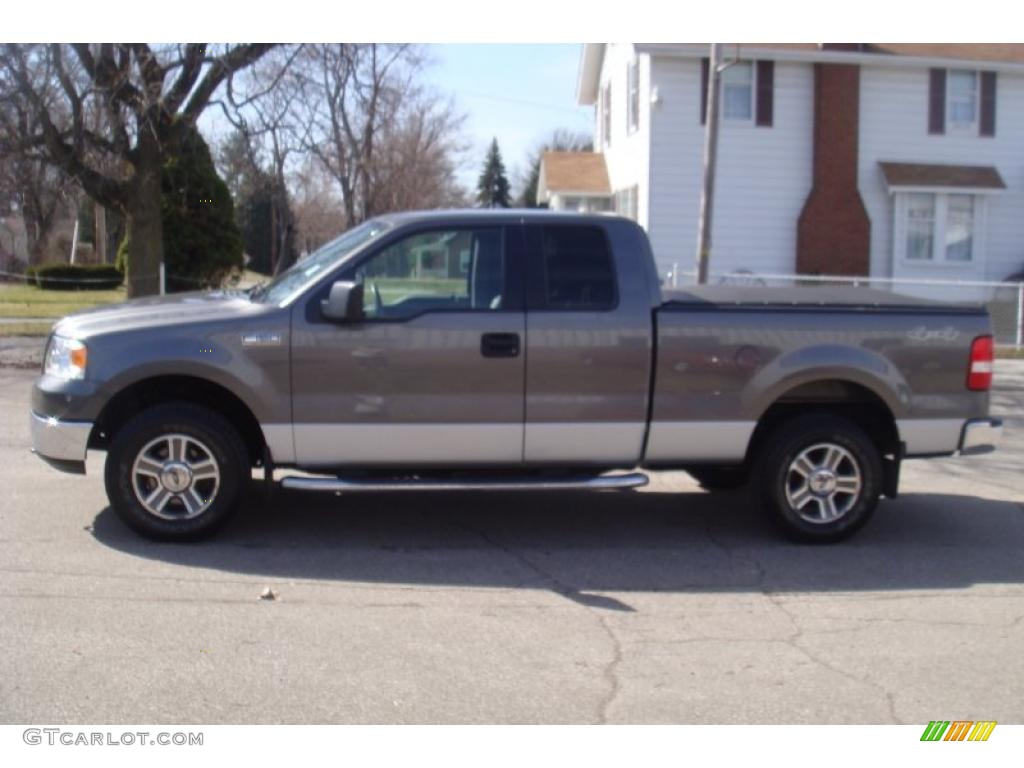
(819, 477)
(174, 472)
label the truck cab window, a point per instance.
(457, 269)
(578, 270)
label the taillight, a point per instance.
(979, 374)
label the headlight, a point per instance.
(65, 358)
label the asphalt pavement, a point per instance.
(664, 605)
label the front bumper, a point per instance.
(980, 436)
(62, 444)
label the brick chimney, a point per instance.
(834, 232)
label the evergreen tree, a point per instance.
(201, 241)
(493, 187)
(262, 207)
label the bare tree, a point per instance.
(42, 195)
(269, 127)
(319, 214)
(108, 115)
(386, 142)
(416, 166)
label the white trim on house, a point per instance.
(695, 50)
(765, 172)
(592, 55)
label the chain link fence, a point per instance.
(1004, 300)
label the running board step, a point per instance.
(582, 483)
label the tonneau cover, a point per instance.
(805, 297)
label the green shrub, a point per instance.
(77, 277)
(202, 242)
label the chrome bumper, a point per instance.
(61, 443)
(980, 436)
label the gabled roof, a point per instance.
(576, 172)
(1009, 56)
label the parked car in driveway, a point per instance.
(510, 350)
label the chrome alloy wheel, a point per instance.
(823, 483)
(175, 477)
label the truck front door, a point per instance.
(434, 373)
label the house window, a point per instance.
(633, 95)
(627, 202)
(606, 114)
(738, 91)
(920, 226)
(959, 227)
(939, 228)
(962, 99)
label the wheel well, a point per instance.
(845, 398)
(135, 398)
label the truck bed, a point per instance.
(846, 298)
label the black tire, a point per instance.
(719, 478)
(799, 501)
(209, 439)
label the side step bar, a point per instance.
(341, 485)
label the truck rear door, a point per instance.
(434, 374)
(588, 343)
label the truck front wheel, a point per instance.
(819, 477)
(174, 472)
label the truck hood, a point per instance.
(157, 311)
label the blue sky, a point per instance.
(517, 93)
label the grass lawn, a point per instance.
(30, 301)
(24, 329)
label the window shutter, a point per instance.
(705, 70)
(987, 125)
(937, 101)
(765, 92)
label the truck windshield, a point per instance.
(305, 271)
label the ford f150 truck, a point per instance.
(509, 351)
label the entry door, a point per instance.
(434, 374)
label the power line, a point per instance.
(521, 102)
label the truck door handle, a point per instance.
(499, 345)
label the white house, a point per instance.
(890, 160)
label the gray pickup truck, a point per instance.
(509, 350)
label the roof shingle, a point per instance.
(922, 175)
(575, 172)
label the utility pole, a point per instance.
(707, 197)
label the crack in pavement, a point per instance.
(586, 601)
(793, 641)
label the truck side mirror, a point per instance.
(344, 303)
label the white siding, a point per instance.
(626, 156)
(763, 179)
(894, 127)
